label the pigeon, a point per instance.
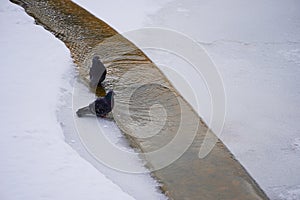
(100, 107)
(97, 72)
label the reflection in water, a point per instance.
(100, 91)
(156, 119)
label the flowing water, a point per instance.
(148, 110)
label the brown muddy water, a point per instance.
(142, 91)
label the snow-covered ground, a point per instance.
(255, 45)
(36, 81)
(256, 48)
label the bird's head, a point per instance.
(96, 58)
(110, 94)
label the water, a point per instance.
(148, 110)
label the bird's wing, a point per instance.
(97, 69)
(102, 107)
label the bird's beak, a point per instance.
(84, 111)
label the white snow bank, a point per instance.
(36, 163)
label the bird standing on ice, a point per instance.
(100, 107)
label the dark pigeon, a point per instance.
(100, 107)
(97, 72)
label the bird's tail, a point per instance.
(84, 111)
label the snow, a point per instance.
(121, 15)
(256, 48)
(36, 163)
